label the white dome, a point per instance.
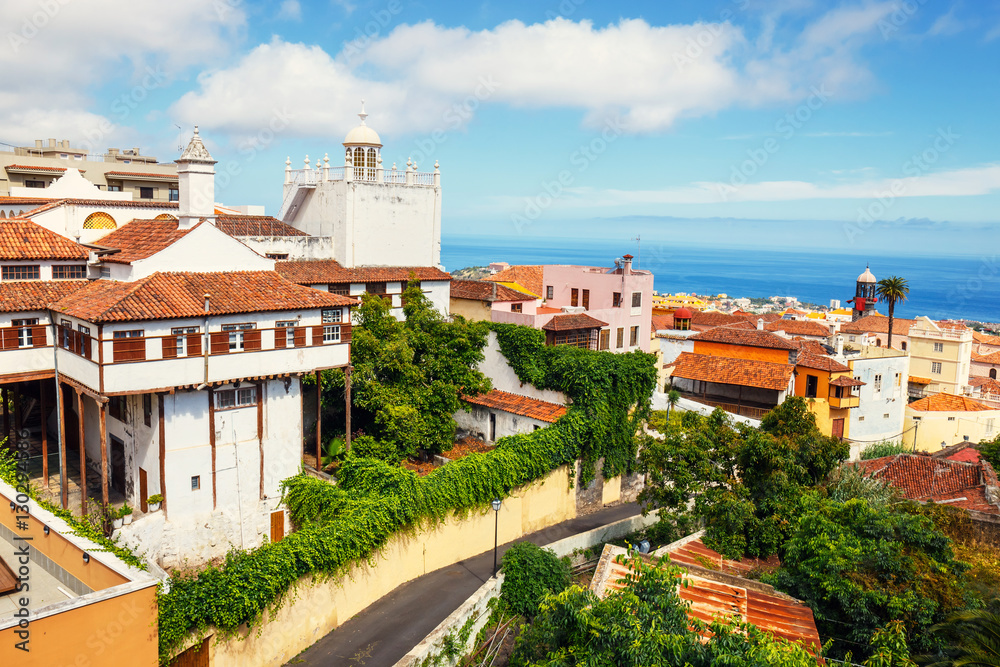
(362, 134)
(867, 276)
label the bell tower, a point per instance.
(864, 296)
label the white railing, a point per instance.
(398, 177)
(365, 175)
(423, 179)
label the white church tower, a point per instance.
(376, 216)
(196, 184)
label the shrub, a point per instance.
(884, 448)
(531, 573)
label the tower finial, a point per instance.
(362, 115)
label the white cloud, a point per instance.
(423, 77)
(290, 10)
(947, 25)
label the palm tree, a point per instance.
(892, 290)
(672, 398)
(974, 636)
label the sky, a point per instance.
(785, 124)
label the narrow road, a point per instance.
(386, 630)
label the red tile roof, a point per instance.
(985, 339)
(947, 403)
(22, 239)
(126, 174)
(322, 271)
(663, 322)
(820, 363)
(573, 321)
(992, 359)
(16, 201)
(26, 295)
(877, 324)
(485, 290)
(928, 478)
(172, 295)
(32, 167)
(845, 381)
(255, 225)
(140, 239)
(102, 203)
(799, 328)
(916, 379)
(745, 337)
(987, 385)
(531, 277)
(809, 346)
(518, 405)
(723, 370)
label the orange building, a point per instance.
(827, 385)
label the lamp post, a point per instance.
(496, 531)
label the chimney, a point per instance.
(38, 143)
(207, 297)
(760, 324)
(627, 264)
(196, 184)
(838, 345)
(52, 143)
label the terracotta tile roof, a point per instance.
(126, 174)
(947, 403)
(529, 276)
(952, 326)
(723, 370)
(993, 358)
(821, 363)
(33, 167)
(24, 295)
(140, 239)
(928, 478)
(16, 201)
(172, 295)
(810, 346)
(986, 339)
(845, 381)
(712, 595)
(518, 405)
(321, 271)
(102, 203)
(22, 239)
(916, 379)
(485, 290)
(746, 337)
(987, 385)
(255, 225)
(663, 322)
(545, 310)
(799, 328)
(877, 324)
(573, 321)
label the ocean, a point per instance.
(941, 287)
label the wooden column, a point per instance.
(64, 480)
(319, 420)
(103, 408)
(18, 421)
(163, 454)
(211, 441)
(4, 396)
(43, 409)
(347, 406)
(83, 456)
(260, 433)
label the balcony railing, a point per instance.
(359, 174)
(844, 402)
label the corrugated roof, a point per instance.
(518, 405)
(724, 370)
(22, 239)
(323, 271)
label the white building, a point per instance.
(881, 410)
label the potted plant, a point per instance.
(126, 513)
(154, 501)
(116, 518)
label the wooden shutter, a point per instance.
(170, 347)
(86, 344)
(280, 336)
(251, 339)
(38, 335)
(318, 334)
(194, 345)
(220, 342)
(300, 336)
(125, 349)
(8, 340)
(345, 333)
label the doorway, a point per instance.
(838, 428)
(117, 455)
(493, 427)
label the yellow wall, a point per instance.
(934, 427)
(471, 310)
(922, 355)
(740, 352)
(320, 606)
(819, 406)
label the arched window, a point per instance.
(99, 220)
(993, 373)
(359, 164)
(166, 216)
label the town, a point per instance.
(189, 388)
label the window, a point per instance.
(939, 347)
(885, 416)
(621, 338)
(853, 338)
(129, 345)
(277, 255)
(633, 336)
(174, 194)
(118, 408)
(146, 192)
(861, 419)
(636, 299)
(147, 409)
(878, 384)
(69, 272)
(951, 419)
(331, 333)
(333, 315)
(616, 300)
(34, 184)
(286, 339)
(237, 335)
(899, 380)
(936, 367)
(586, 299)
(343, 289)
(576, 338)
(574, 297)
(604, 341)
(375, 288)
(20, 272)
(114, 188)
(25, 334)
(550, 292)
(812, 385)
(184, 342)
(195, 482)
(66, 329)
(903, 346)
(235, 398)
(516, 307)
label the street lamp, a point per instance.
(496, 531)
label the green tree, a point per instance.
(892, 290)
(530, 573)
(973, 638)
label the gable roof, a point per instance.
(518, 405)
(22, 239)
(724, 370)
(529, 276)
(172, 295)
(987, 385)
(255, 225)
(746, 337)
(573, 321)
(485, 290)
(25, 295)
(102, 203)
(985, 339)
(322, 271)
(798, 328)
(140, 239)
(877, 324)
(992, 358)
(820, 363)
(929, 478)
(947, 403)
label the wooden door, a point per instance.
(277, 525)
(838, 428)
(143, 491)
(117, 456)
(196, 656)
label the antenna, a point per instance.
(638, 240)
(180, 137)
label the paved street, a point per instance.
(384, 632)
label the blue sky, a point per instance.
(786, 123)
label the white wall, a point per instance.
(477, 422)
(296, 247)
(495, 367)
(205, 248)
(873, 406)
